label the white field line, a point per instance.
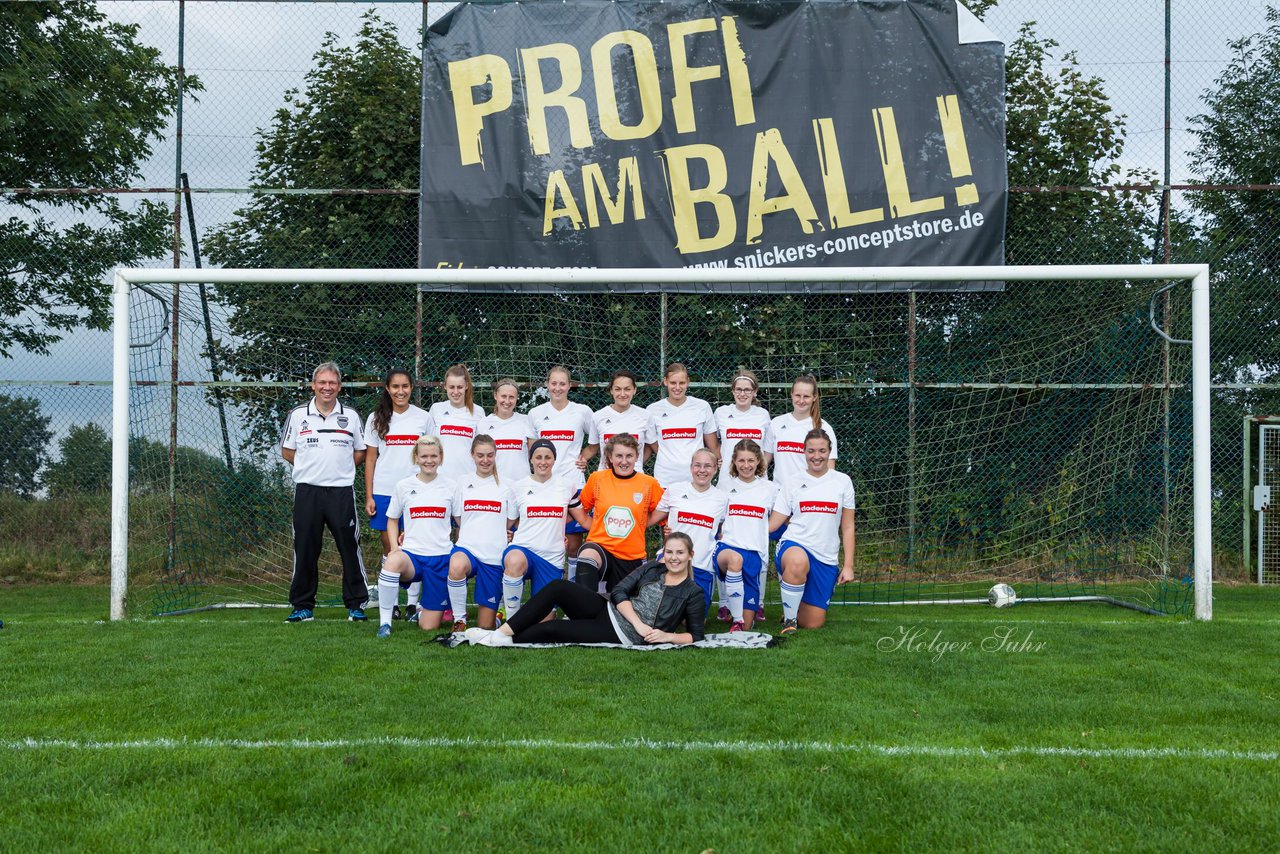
(650, 745)
(1138, 621)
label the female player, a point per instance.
(742, 555)
(736, 421)
(697, 508)
(480, 509)
(457, 418)
(539, 506)
(566, 425)
(650, 605)
(619, 417)
(679, 425)
(511, 431)
(391, 433)
(787, 432)
(621, 501)
(819, 505)
(426, 502)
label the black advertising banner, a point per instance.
(713, 134)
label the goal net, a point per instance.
(1038, 432)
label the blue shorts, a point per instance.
(433, 572)
(378, 521)
(821, 583)
(488, 578)
(751, 565)
(541, 571)
(705, 580)
(571, 525)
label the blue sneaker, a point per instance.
(384, 630)
(300, 615)
(356, 615)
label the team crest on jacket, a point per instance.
(637, 497)
(342, 421)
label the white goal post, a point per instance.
(1196, 274)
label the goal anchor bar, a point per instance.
(1197, 274)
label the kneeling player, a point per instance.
(426, 501)
(743, 551)
(697, 508)
(819, 505)
(482, 507)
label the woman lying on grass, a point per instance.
(647, 606)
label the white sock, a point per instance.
(388, 592)
(415, 594)
(733, 591)
(512, 590)
(790, 599)
(573, 568)
(764, 577)
(458, 598)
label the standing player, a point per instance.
(392, 431)
(511, 431)
(481, 509)
(324, 444)
(540, 503)
(742, 555)
(679, 425)
(736, 421)
(697, 508)
(425, 501)
(457, 419)
(819, 505)
(566, 425)
(622, 502)
(619, 417)
(787, 432)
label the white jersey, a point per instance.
(541, 509)
(815, 505)
(511, 437)
(481, 506)
(428, 510)
(456, 428)
(567, 429)
(609, 422)
(698, 514)
(746, 523)
(678, 432)
(786, 443)
(734, 425)
(323, 444)
(395, 450)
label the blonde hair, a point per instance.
(815, 411)
(559, 369)
(427, 442)
(461, 371)
(675, 368)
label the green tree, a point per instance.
(25, 447)
(83, 103)
(83, 466)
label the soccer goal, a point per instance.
(1047, 428)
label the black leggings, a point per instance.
(587, 611)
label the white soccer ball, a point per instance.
(1002, 596)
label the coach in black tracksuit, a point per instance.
(324, 443)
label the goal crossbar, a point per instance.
(854, 277)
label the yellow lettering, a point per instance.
(683, 75)
(735, 60)
(538, 100)
(646, 82)
(685, 199)
(558, 187)
(957, 149)
(771, 149)
(895, 170)
(465, 75)
(593, 187)
(833, 180)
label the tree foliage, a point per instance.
(83, 104)
(83, 466)
(25, 450)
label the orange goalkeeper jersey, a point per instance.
(620, 507)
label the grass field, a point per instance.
(1095, 728)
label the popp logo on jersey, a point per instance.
(746, 511)
(829, 507)
(680, 433)
(426, 512)
(618, 522)
(543, 512)
(697, 520)
(481, 505)
(457, 430)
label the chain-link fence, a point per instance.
(275, 180)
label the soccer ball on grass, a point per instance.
(1002, 596)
